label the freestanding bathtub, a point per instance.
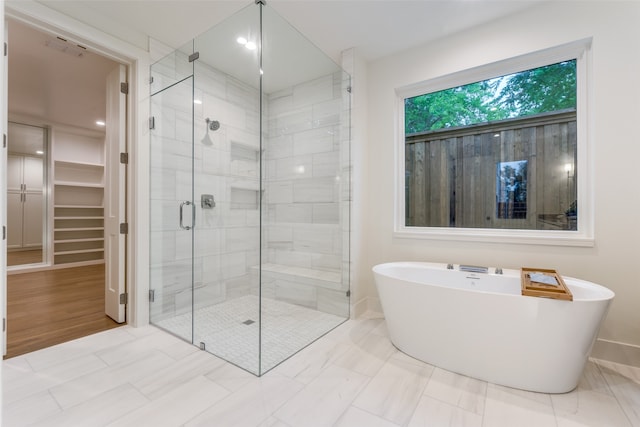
(479, 324)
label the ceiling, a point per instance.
(377, 28)
(69, 89)
(47, 85)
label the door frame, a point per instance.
(137, 62)
(3, 187)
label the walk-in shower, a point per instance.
(249, 221)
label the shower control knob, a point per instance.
(207, 201)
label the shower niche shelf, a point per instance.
(244, 152)
(244, 198)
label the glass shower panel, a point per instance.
(250, 197)
(227, 190)
(172, 69)
(172, 211)
(305, 177)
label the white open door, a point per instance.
(114, 197)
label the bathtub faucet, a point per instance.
(474, 269)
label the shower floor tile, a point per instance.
(231, 330)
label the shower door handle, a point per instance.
(193, 216)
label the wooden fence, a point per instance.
(452, 177)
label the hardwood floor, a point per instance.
(51, 307)
(24, 257)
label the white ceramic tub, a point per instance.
(479, 324)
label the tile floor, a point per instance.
(352, 377)
(286, 328)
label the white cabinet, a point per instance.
(14, 220)
(78, 179)
(25, 177)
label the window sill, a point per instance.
(518, 237)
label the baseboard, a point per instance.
(626, 354)
(369, 305)
(358, 308)
(374, 305)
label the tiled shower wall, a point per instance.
(306, 193)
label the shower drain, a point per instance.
(249, 321)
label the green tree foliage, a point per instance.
(539, 90)
(535, 91)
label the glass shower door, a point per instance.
(226, 125)
(172, 213)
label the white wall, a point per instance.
(616, 66)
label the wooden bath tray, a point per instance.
(535, 288)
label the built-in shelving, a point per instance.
(77, 184)
(78, 217)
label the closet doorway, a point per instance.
(66, 90)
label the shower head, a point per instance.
(207, 140)
(212, 124)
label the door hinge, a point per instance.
(123, 298)
(6, 49)
(124, 158)
(4, 324)
(124, 88)
(150, 79)
(194, 56)
(152, 122)
(4, 232)
(349, 89)
(152, 295)
(124, 228)
(348, 293)
(4, 140)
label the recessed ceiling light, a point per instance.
(197, 101)
(246, 43)
(100, 123)
(39, 152)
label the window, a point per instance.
(499, 152)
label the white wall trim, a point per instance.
(137, 62)
(358, 308)
(618, 352)
(584, 236)
(367, 307)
